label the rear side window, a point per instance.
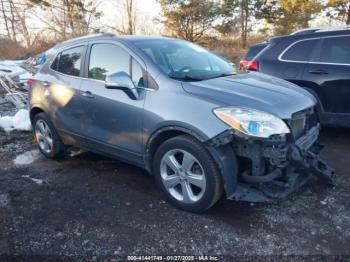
(106, 59)
(254, 50)
(335, 50)
(300, 51)
(54, 64)
(69, 61)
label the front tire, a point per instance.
(187, 174)
(46, 137)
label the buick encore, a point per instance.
(178, 111)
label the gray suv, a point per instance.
(177, 110)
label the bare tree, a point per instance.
(127, 27)
(5, 18)
(68, 18)
(130, 7)
(9, 18)
(14, 17)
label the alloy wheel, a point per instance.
(183, 176)
(43, 136)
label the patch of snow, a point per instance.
(35, 180)
(27, 157)
(11, 67)
(20, 121)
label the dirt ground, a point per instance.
(92, 207)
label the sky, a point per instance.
(147, 11)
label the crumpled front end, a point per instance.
(274, 167)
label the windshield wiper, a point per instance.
(186, 78)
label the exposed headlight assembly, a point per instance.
(252, 122)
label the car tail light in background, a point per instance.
(251, 65)
(30, 82)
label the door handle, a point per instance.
(46, 84)
(88, 94)
(318, 72)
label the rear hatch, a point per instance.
(248, 62)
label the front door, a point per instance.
(113, 119)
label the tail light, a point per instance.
(251, 65)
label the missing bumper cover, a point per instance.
(278, 166)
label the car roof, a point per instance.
(316, 32)
(124, 38)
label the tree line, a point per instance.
(192, 19)
(187, 19)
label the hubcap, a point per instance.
(43, 136)
(183, 176)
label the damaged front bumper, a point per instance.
(273, 168)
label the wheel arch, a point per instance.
(34, 111)
(319, 106)
(223, 155)
(161, 135)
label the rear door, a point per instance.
(113, 119)
(329, 74)
(61, 81)
(294, 59)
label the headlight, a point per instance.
(252, 122)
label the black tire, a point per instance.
(57, 148)
(214, 186)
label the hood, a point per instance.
(256, 91)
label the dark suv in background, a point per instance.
(315, 59)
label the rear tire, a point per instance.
(46, 137)
(187, 174)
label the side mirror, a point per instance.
(122, 81)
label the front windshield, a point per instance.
(184, 60)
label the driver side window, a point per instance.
(106, 59)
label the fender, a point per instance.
(176, 129)
(319, 103)
(34, 108)
(223, 155)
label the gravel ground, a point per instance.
(90, 207)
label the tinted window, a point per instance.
(54, 64)
(336, 50)
(106, 59)
(254, 50)
(300, 51)
(136, 73)
(70, 61)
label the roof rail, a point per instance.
(107, 34)
(305, 31)
(336, 28)
(88, 37)
(320, 30)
